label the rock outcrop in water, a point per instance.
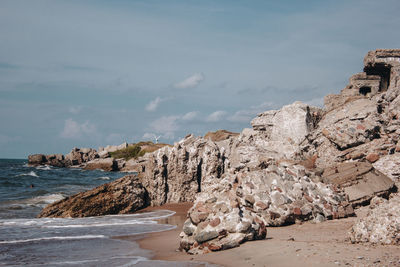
(124, 195)
(297, 163)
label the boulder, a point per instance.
(125, 195)
(381, 225)
(36, 159)
(240, 206)
(291, 123)
(56, 160)
(360, 181)
(108, 164)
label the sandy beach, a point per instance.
(307, 244)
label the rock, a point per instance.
(108, 164)
(390, 166)
(281, 184)
(205, 235)
(372, 157)
(176, 174)
(292, 122)
(125, 195)
(381, 225)
(36, 159)
(188, 228)
(360, 181)
(56, 160)
(220, 135)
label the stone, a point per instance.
(188, 227)
(36, 159)
(107, 164)
(372, 157)
(381, 225)
(215, 222)
(198, 217)
(205, 236)
(360, 181)
(124, 195)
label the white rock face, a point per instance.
(291, 123)
(390, 166)
(382, 223)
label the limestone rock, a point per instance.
(36, 159)
(125, 195)
(390, 166)
(360, 181)
(292, 122)
(381, 225)
(176, 174)
(108, 164)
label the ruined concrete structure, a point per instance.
(381, 73)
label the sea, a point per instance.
(92, 241)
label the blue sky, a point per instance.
(91, 73)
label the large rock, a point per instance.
(36, 159)
(176, 174)
(125, 195)
(56, 160)
(291, 123)
(241, 205)
(360, 181)
(381, 225)
(108, 164)
(78, 156)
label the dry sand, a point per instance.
(307, 244)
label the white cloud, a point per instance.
(191, 81)
(166, 126)
(216, 116)
(246, 115)
(73, 129)
(153, 104)
(190, 116)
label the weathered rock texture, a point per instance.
(360, 181)
(382, 223)
(125, 195)
(241, 205)
(176, 174)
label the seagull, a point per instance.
(155, 137)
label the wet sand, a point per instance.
(307, 244)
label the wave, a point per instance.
(53, 238)
(103, 178)
(46, 199)
(44, 168)
(31, 173)
(100, 224)
(134, 261)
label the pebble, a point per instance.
(360, 257)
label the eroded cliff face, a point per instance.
(297, 163)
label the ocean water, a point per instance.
(92, 241)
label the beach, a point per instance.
(307, 244)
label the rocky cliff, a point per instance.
(297, 163)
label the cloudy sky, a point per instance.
(88, 73)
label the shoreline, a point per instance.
(306, 244)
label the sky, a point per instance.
(93, 73)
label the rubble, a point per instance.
(381, 225)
